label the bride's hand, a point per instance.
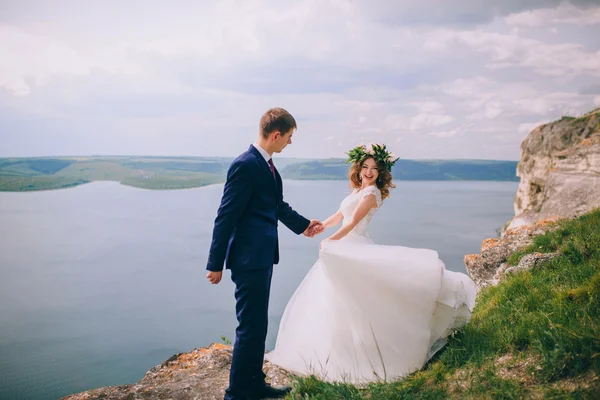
(314, 228)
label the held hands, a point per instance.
(315, 228)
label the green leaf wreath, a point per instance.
(377, 151)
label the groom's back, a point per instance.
(249, 211)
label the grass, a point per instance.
(537, 334)
(225, 340)
(42, 182)
(567, 118)
(515, 257)
(172, 181)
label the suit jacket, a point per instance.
(245, 229)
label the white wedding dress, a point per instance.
(368, 312)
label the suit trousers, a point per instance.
(252, 289)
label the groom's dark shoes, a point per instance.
(270, 392)
(264, 392)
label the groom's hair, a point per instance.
(276, 119)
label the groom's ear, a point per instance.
(286, 134)
(278, 134)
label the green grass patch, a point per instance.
(515, 257)
(170, 182)
(43, 182)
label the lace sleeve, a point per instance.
(374, 190)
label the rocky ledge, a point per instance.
(201, 374)
(490, 266)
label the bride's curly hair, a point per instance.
(384, 179)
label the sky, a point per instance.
(432, 79)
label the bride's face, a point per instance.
(369, 171)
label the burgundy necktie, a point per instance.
(272, 167)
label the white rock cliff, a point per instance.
(559, 170)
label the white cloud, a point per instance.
(29, 60)
(427, 106)
(423, 120)
(556, 103)
(565, 60)
(534, 105)
(492, 110)
(527, 127)
(564, 14)
(446, 134)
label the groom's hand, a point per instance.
(214, 277)
(317, 229)
(314, 228)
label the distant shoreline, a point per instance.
(172, 173)
(104, 180)
(221, 183)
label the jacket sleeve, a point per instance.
(236, 195)
(290, 218)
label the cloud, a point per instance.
(565, 60)
(564, 14)
(427, 106)
(590, 88)
(193, 78)
(423, 120)
(446, 134)
(452, 13)
(29, 60)
(525, 128)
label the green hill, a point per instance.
(24, 174)
(535, 335)
(43, 173)
(406, 170)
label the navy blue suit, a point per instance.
(245, 240)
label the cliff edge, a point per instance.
(560, 179)
(201, 374)
(559, 170)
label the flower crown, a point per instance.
(378, 152)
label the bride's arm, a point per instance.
(333, 220)
(360, 212)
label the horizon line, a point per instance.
(233, 157)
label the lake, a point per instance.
(102, 282)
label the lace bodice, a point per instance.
(350, 203)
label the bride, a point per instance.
(367, 312)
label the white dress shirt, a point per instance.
(263, 152)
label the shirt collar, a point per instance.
(263, 152)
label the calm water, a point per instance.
(101, 282)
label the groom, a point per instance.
(245, 238)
